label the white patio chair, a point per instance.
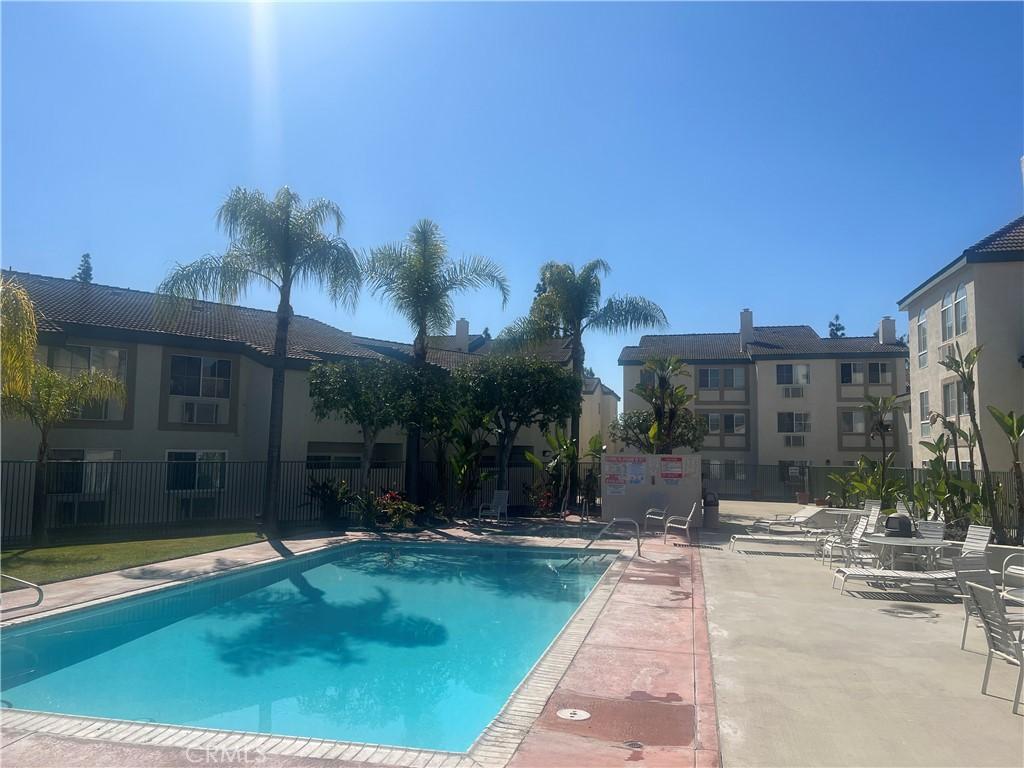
(998, 635)
(497, 507)
(1011, 582)
(658, 515)
(680, 523)
(973, 567)
(855, 551)
(797, 518)
(978, 537)
(824, 543)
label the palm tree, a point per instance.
(50, 400)
(418, 279)
(17, 338)
(1013, 427)
(278, 244)
(568, 304)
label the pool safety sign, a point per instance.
(671, 469)
(620, 471)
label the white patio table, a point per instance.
(888, 545)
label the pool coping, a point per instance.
(494, 747)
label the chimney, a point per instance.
(462, 334)
(746, 328)
(887, 331)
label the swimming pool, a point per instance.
(410, 644)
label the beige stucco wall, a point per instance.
(995, 306)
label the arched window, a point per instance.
(960, 309)
(947, 316)
(922, 339)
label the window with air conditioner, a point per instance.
(792, 392)
(794, 441)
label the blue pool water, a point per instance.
(414, 645)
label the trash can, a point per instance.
(711, 511)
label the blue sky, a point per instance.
(798, 159)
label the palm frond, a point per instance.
(473, 272)
(627, 313)
(18, 337)
(330, 262)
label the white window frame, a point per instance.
(961, 320)
(734, 374)
(739, 424)
(714, 423)
(203, 360)
(922, 339)
(858, 373)
(884, 373)
(854, 416)
(924, 407)
(91, 366)
(946, 316)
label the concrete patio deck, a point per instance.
(806, 677)
(642, 669)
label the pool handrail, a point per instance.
(30, 585)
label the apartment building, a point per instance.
(779, 394)
(198, 381)
(976, 299)
(600, 409)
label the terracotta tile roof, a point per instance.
(768, 341)
(64, 305)
(449, 359)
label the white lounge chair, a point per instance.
(498, 506)
(978, 537)
(887, 576)
(798, 518)
(998, 635)
(680, 523)
(855, 551)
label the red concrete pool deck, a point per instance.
(643, 671)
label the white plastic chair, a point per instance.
(498, 506)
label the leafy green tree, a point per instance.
(519, 391)
(1013, 427)
(559, 467)
(668, 402)
(53, 399)
(469, 439)
(836, 329)
(375, 394)
(419, 280)
(963, 365)
(278, 244)
(17, 339)
(568, 304)
(84, 273)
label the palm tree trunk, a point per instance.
(987, 494)
(272, 485)
(366, 460)
(413, 431)
(40, 534)
(578, 354)
(1018, 484)
(506, 439)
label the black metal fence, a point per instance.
(83, 498)
(774, 482)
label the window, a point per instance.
(879, 373)
(713, 421)
(960, 310)
(926, 424)
(791, 392)
(922, 339)
(853, 422)
(954, 399)
(709, 378)
(797, 373)
(200, 376)
(734, 423)
(73, 360)
(790, 421)
(195, 470)
(75, 471)
(947, 316)
(331, 461)
(851, 373)
(734, 378)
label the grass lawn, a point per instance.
(48, 564)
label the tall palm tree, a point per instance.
(878, 413)
(278, 244)
(568, 304)
(17, 338)
(419, 280)
(50, 400)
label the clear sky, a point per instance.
(798, 159)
